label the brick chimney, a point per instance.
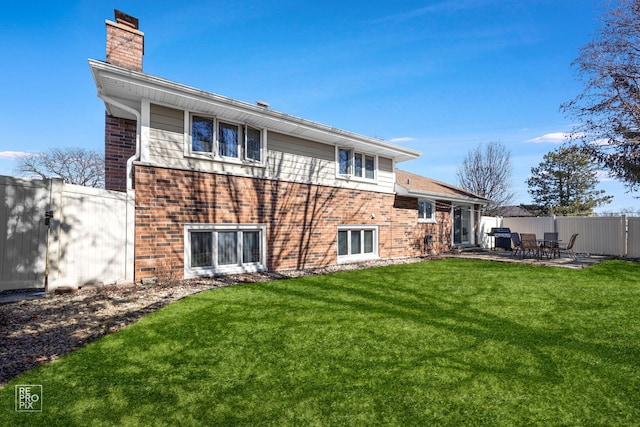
(125, 47)
(125, 43)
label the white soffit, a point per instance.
(130, 87)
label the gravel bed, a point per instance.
(38, 329)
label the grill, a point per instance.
(501, 237)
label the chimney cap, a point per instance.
(123, 18)
(262, 104)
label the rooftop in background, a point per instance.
(511, 211)
(408, 183)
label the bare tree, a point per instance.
(74, 165)
(486, 171)
(608, 109)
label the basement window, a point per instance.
(357, 243)
(224, 249)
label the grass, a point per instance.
(445, 342)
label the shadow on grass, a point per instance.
(302, 350)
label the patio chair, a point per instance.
(568, 248)
(550, 244)
(515, 241)
(528, 243)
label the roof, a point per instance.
(511, 211)
(410, 184)
(119, 87)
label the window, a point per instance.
(426, 211)
(354, 164)
(253, 144)
(224, 248)
(220, 140)
(228, 140)
(357, 242)
(344, 162)
(202, 134)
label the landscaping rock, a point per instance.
(61, 290)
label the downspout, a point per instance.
(136, 155)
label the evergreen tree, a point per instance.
(564, 183)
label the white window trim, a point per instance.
(263, 145)
(225, 269)
(358, 257)
(242, 142)
(351, 176)
(431, 220)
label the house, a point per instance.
(222, 186)
(511, 211)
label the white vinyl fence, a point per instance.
(486, 224)
(87, 239)
(615, 236)
(633, 242)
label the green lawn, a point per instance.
(447, 342)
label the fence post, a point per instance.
(52, 267)
(625, 236)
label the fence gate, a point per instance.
(23, 234)
(86, 239)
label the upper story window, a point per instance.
(354, 164)
(202, 134)
(228, 138)
(426, 211)
(218, 138)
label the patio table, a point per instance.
(551, 244)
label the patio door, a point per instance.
(461, 225)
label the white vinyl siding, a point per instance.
(282, 157)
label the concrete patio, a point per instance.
(500, 255)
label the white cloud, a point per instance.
(554, 138)
(402, 139)
(604, 176)
(11, 155)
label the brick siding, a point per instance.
(302, 219)
(119, 146)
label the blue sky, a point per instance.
(438, 76)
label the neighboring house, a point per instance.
(511, 211)
(222, 186)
